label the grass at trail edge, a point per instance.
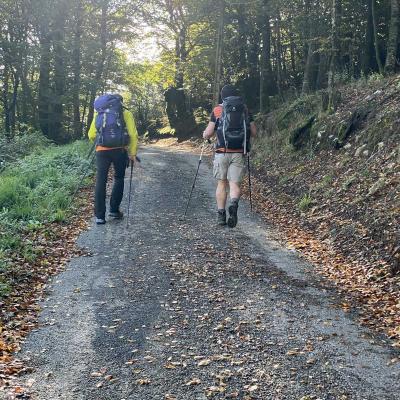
(36, 191)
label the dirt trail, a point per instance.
(177, 309)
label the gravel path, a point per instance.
(174, 309)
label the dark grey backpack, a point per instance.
(232, 129)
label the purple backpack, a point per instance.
(110, 124)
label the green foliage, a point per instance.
(278, 127)
(143, 51)
(59, 216)
(326, 182)
(284, 179)
(5, 288)
(166, 131)
(375, 77)
(289, 114)
(8, 241)
(305, 202)
(34, 191)
(349, 182)
(38, 187)
(24, 142)
(146, 83)
(329, 193)
(13, 193)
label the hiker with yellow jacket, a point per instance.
(114, 131)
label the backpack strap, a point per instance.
(122, 118)
(218, 113)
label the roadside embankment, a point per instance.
(331, 183)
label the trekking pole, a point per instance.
(195, 177)
(129, 195)
(249, 173)
(92, 147)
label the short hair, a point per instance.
(228, 91)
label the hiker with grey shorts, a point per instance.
(233, 126)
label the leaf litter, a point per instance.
(19, 310)
(353, 244)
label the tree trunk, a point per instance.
(218, 56)
(265, 59)
(322, 61)
(376, 42)
(76, 55)
(13, 105)
(309, 66)
(279, 55)
(334, 51)
(178, 72)
(242, 33)
(252, 56)
(21, 63)
(85, 107)
(369, 60)
(339, 35)
(308, 69)
(292, 54)
(101, 60)
(6, 82)
(180, 57)
(391, 59)
(28, 102)
(44, 83)
(59, 74)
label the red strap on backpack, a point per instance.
(218, 111)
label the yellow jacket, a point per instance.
(130, 127)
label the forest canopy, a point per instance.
(56, 56)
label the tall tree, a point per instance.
(376, 40)
(265, 58)
(278, 52)
(44, 77)
(219, 51)
(77, 67)
(58, 33)
(336, 7)
(393, 41)
(242, 39)
(311, 49)
(101, 57)
(57, 55)
(369, 59)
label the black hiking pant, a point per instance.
(104, 159)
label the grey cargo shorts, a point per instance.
(229, 166)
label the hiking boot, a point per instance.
(100, 221)
(221, 218)
(233, 218)
(116, 215)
